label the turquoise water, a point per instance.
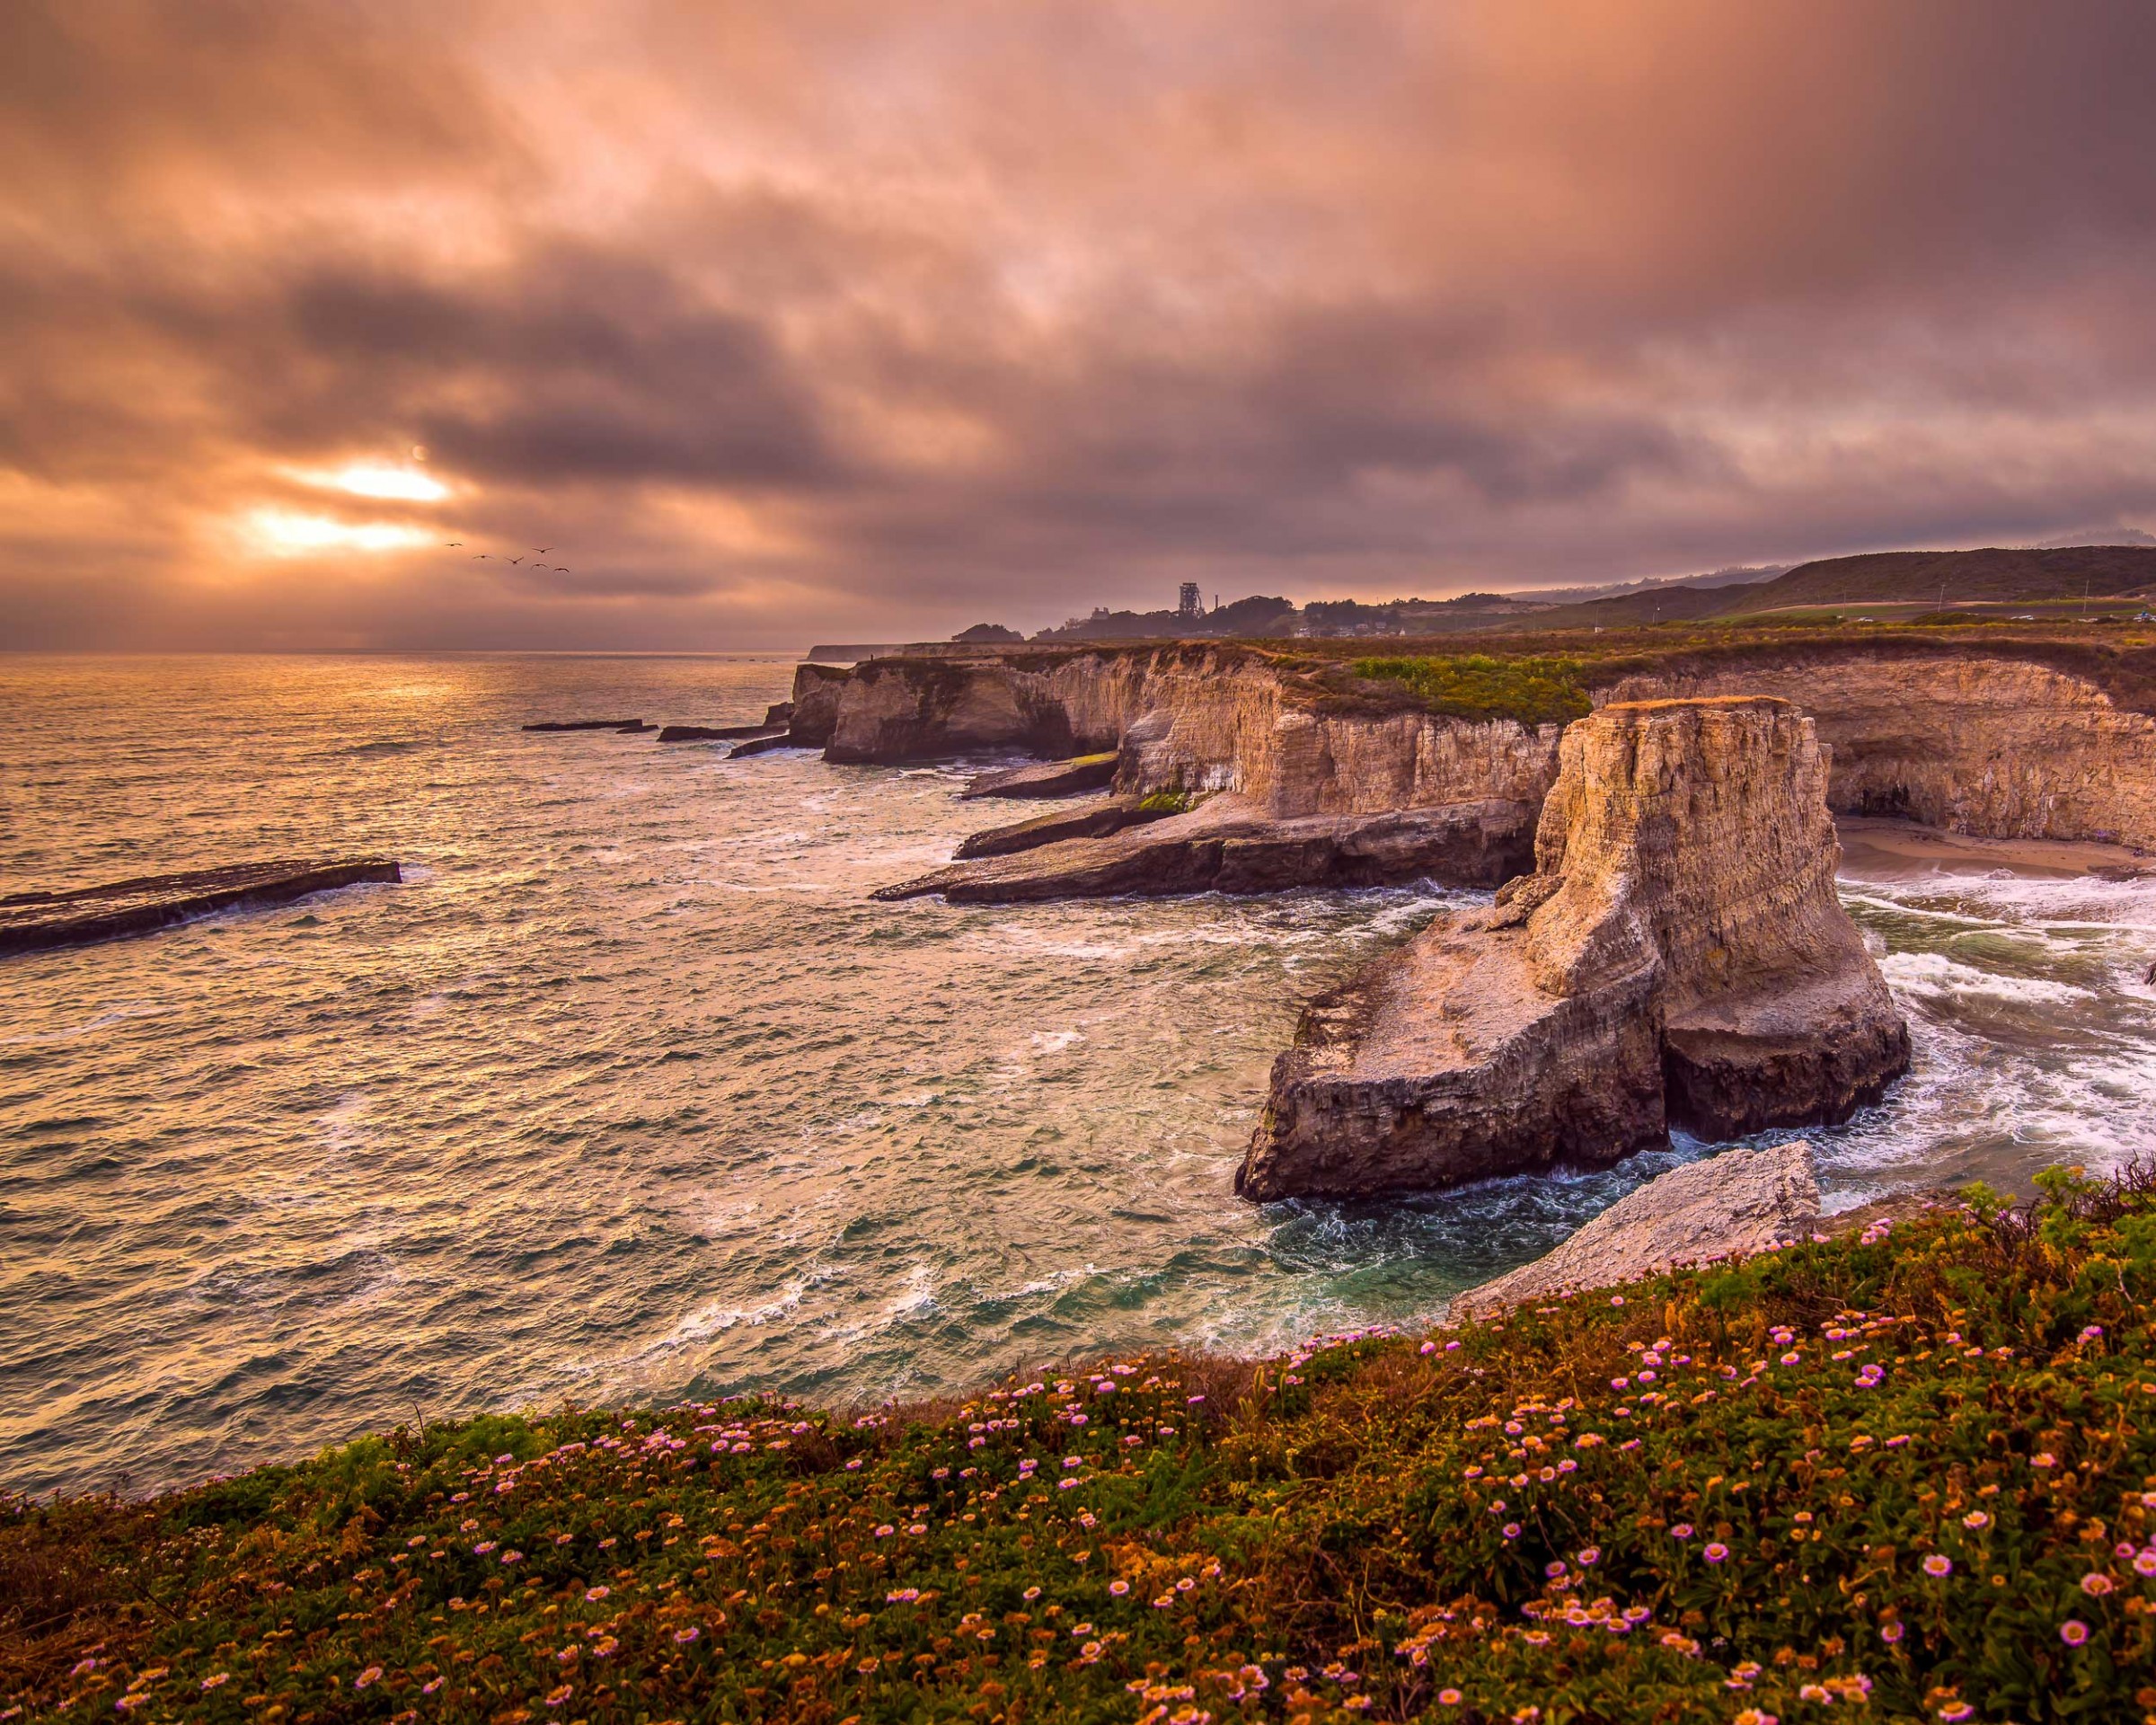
(629, 1092)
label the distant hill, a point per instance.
(2098, 536)
(1675, 603)
(1735, 575)
(1997, 574)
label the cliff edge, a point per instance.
(1678, 956)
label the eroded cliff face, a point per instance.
(1988, 746)
(1983, 743)
(1183, 718)
(1677, 956)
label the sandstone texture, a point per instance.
(33, 921)
(1678, 956)
(1095, 820)
(1987, 740)
(1728, 1206)
(1050, 779)
(1226, 846)
(1985, 745)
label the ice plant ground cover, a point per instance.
(1909, 1474)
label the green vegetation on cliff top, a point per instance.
(1531, 690)
(1909, 1474)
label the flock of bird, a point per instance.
(536, 551)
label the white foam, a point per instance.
(1933, 975)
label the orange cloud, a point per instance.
(848, 318)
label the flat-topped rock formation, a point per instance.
(717, 733)
(1050, 779)
(34, 921)
(1226, 846)
(1678, 956)
(1729, 1206)
(1095, 820)
(589, 724)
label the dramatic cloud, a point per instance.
(841, 319)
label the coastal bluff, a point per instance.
(1678, 957)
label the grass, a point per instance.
(1909, 1474)
(1532, 691)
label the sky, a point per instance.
(745, 325)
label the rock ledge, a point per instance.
(1730, 1205)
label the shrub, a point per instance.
(1531, 690)
(1914, 1467)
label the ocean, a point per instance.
(630, 1093)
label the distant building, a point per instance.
(1188, 605)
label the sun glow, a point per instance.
(282, 533)
(375, 479)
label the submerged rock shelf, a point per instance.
(31, 922)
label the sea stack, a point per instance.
(1678, 957)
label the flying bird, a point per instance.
(543, 550)
(479, 556)
(515, 559)
(447, 542)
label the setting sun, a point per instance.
(370, 479)
(284, 532)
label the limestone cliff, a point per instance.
(1983, 744)
(1991, 738)
(1191, 719)
(1678, 955)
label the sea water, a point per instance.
(629, 1093)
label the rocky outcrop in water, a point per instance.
(717, 733)
(812, 710)
(1224, 845)
(1730, 1205)
(1096, 820)
(1050, 779)
(34, 921)
(1678, 956)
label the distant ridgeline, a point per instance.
(2070, 575)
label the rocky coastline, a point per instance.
(1678, 958)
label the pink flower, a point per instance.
(1683, 1530)
(2096, 1585)
(1589, 1558)
(1716, 1552)
(1891, 1633)
(1938, 1564)
(597, 1594)
(1118, 1587)
(2073, 1632)
(1449, 1697)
